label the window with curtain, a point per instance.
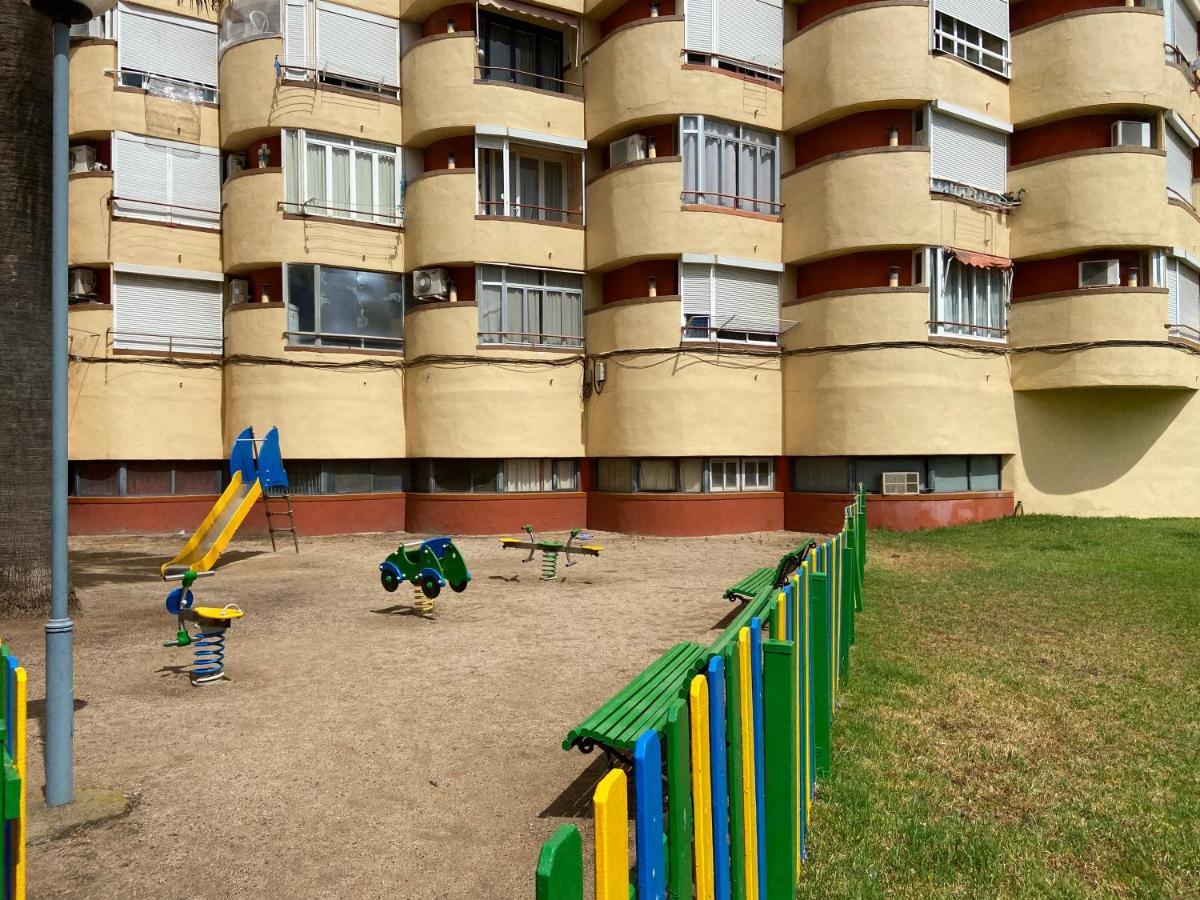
(657, 475)
(730, 165)
(968, 300)
(342, 178)
(518, 52)
(329, 306)
(528, 181)
(529, 306)
(539, 475)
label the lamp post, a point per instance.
(60, 694)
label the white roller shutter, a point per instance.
(750, 30)
(166, 181)
(698, 25)
(162, 44)
(295, 34)
(358, 44)
(747, 299)
(1182, 27)
(1172, 292)
(1187, 312)
(1179, 165)
(990, 15)
(696, 290)
(966, 153)
(155, 312)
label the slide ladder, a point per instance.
(275, 513)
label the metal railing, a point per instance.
(967, 328)
(528, 79)
(765, 336)
(208, 93)
(307, 207)
(531, 338)
(210, 216)
(156, 343)
(363, 342)
(740, 202)
(321, 74)
(544, 213)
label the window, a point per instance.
(734, 474)
(614, 476)
(527, 475)
(723, 475)
(968, 154)
(937, 474)
(544, 183)
(334, 307)
(160, 313)
(530, 306)
(656, 475)
(491, 476)
(719, 32)
(1181, 142)
(167, 55)
(339, 177)
(1099, 273)
(517, 52)
(730, 165)
(310, 477)
(145, 478)
(729, 303)
(1183, 301)
(689, 475)
(968, 294)
(822, 474)
(969, 42)
(341, 46)
(166, 181)
(247, 20)
(1181, 35)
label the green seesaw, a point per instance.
(551, 549)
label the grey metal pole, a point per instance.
(60, 691)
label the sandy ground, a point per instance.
(357, 750)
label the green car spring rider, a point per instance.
(429, 565)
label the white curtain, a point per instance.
(315, 171)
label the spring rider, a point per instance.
(210, 625)
(430, 565)
(551, 549)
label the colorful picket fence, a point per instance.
(12, 775)
(742, 749)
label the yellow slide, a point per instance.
(218, 528)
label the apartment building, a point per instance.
(660, 266)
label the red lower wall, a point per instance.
(495, 513)
(685, 515)
(824, 513)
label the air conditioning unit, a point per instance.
(83, 158)
(902, 482)
(1127, 133)
(92, 28)
(430, 283)
(627, 150)
(234, 163)
(239, 291)
(1099, 273)
(81, 283)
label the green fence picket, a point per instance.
(560, 866)
(679, 802)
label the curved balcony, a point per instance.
(109, 405)
(879, 198)
(99, 238)
(1112, 314)
(99, 106)
(257, 106)
(877, 55)
(441, 207)
(857, 316)
(443, 96)
(663, 405)
(542, 397)
(258, 233)
(636, 75)
(1094, 59)
(635, 212)
(1096, 198)
(324, 413)
(894, 402)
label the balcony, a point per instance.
(637, 75)
(254, 105)
(666, 409)
(442, 207)
(99, 106)
(444, 95)
(878, 55)
(1096, 58)
(109, 405)
(879, 198)
(1097, 315)
(545, 401)
(636, 212)
(1112, 197)
(98, 238)
(258, 233)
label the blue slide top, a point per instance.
(241, 457)
(267, 466)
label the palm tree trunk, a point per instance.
(25, 473)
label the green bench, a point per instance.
(759, 580)
(639, 706)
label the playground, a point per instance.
(358, 747)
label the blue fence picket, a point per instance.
(648, 805)
(715, 674)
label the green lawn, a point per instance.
(1023, 716)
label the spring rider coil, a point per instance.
(549, 563)
(210, 623)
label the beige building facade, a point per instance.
(657, 266)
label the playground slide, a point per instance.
(218, 528)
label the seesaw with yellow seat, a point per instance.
(551, 549)
(210, 624)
